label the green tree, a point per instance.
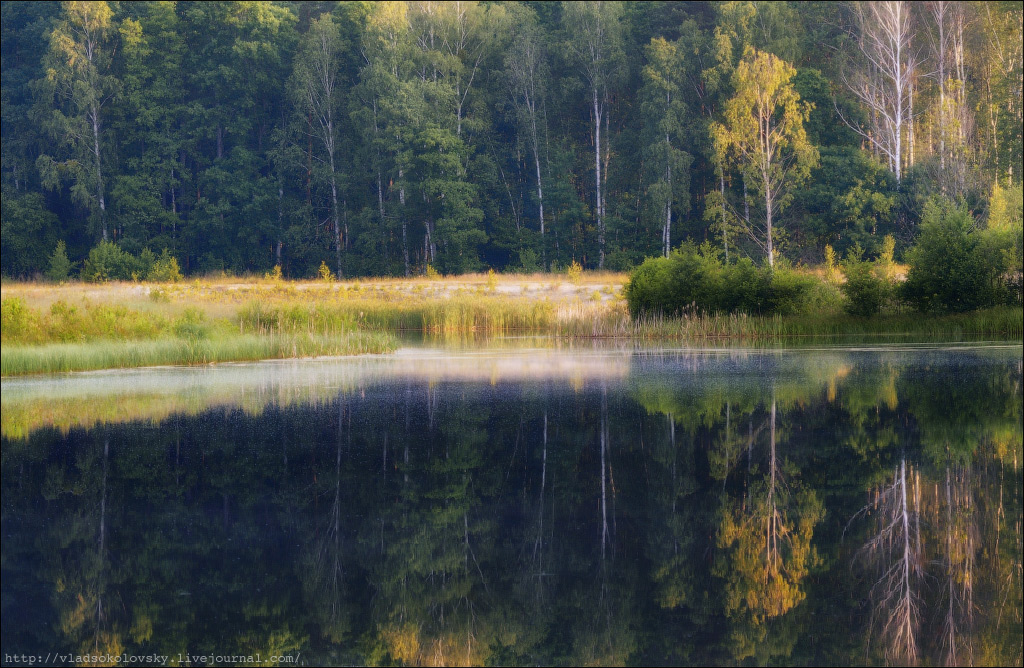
(148, 192)
(664, 113)
(316, 90)
(60, 265)
(764, 136)
(595, 42)
(28, 229)
(76, 89)
(948, 269)
(527, 72)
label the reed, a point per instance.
(999, 322)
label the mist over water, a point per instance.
(566, 505)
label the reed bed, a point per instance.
(1000, 322)
(461, 313)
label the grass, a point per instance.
(49, 328)
(58, 357)
(1000, 322)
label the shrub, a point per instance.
(694, 280)
(164, 269)
(948, 268)
(788, 291)
(864, 291)
(575, 272)
(107, 262)
(325, 272)
(886, 258)
(831, 273)
(191, 325)
(60, 265)
(146, 260)
(19, 322)
(649, 288)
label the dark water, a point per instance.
(828, 506)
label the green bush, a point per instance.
(694, 280)
(949, 271)
(788, 291)
(18, 320)
(192, 325)
(865, 292)
(108, 262)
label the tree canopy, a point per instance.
(386, 138)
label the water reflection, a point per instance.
(571, 507)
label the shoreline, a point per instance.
(82, 327)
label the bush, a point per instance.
(17, 319)
(694, 280)
(60, 265)
(575, 272)
(107, 262)
(788, 291)
(164, 269)
(948, 268)
(325, 272)
(864, 290)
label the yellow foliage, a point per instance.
(325, 272)
(575, 272)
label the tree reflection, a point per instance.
(894, 551)
(670, 521)
(766, 538)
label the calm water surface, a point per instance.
(550, 505)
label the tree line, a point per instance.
(386, 138)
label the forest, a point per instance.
(396, 139)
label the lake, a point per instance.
(539, 503)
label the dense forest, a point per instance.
(391, 138)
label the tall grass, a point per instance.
(58, 357)
(1000, 322)
(67, 323)
(460, 313)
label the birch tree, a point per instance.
(527, 73)
(316, 90)
(763, 136)
(664, 110)
(77, 86)
(953, 117)
(389, 108)
(882, 79)
(595, 44)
